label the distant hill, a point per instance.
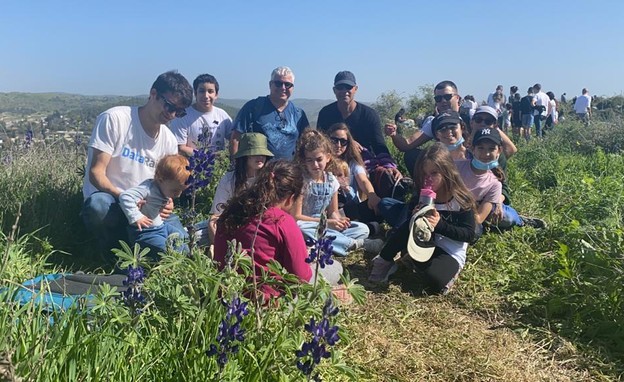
(310, 106)
(35, 106)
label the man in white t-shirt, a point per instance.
(203, 118)
(582, 106)
(125, 146)
(541, 108)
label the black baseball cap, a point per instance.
(345, 77)
(448, 117)
(490, 133)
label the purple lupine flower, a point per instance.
(321, 250)
(324, 335)
(28, 138)
(133, 296)
(230, 332)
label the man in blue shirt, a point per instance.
(274, 116)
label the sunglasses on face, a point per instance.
(487, 121)
(279, 84)
(340, 141)
(446, 97)
(171, 108)
(343, 87)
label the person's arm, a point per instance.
(128, 202)
(222, 194)
(97, 173)
(366, 186)
(483, 211)
(509, 148)
(185, 149)
(212, 227)
(462, 227)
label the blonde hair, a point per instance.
(341, 167)
(172, 168)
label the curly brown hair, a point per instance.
(310, 140)
(276, 182)
(439, 156)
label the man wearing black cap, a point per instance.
(363, 121)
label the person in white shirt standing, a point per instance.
(125, 147)
(203, 117)
(582, 106)
(541, 108)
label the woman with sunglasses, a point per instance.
(365, 211)
(486, 116)
(342, 141)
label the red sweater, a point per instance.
(279, 238)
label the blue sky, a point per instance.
(120, 47)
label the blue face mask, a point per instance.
(455, 145)
(483, 165)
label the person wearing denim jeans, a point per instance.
(125, 147)
(541, 105)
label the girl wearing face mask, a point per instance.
(479, 176)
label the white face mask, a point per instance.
(483, 165)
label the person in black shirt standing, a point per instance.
(363, 121)
(527, 104)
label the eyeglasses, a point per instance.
(281, 118)
(171, 108)
(279, 84)
(487, 121)
(343, 87)
(446, 97)
(340, 141)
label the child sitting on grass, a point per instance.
(451, 222)
(320, 193)
(146, 226)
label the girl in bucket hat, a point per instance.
(251, 157)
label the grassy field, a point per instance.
(530, 305)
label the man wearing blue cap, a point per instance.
(363, 121)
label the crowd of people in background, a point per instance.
(287, 178)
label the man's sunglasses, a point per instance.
(171, 108)
(446, 97)
(343, 87)
(340, 141)
(487, 121)
(279, 84)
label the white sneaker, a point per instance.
(382, 269)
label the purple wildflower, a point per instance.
(133, 297)
(28, 138)
(230, 332)
(321, 250)
(323, 337)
